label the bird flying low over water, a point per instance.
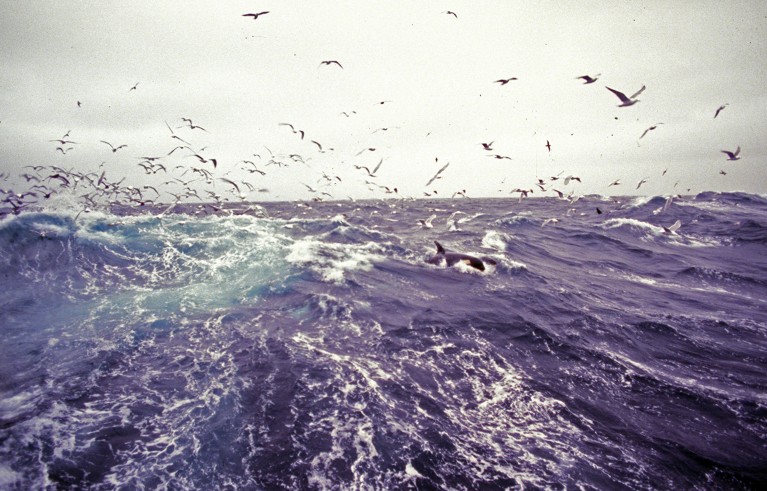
(331, 62)
(626, 101)
(671, 229)
(732, 155)
(256, 16)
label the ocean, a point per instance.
(311, 346)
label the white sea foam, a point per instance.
(333, 261)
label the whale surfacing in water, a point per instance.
(452, 258)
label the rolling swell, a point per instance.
(313, 348)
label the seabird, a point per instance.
(649, 129)
(114, 149)
(673, 228)
(548, 145)
(626, 101)
(720, 109)
(330, 62)
(641, 182)
(450, 12)
(488, 146)
(504, 81)
(436, 176)
(255, 16)
(732, 155)
(427, 223)
(588, 79)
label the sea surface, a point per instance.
(310, 346)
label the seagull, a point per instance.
(504, 81)
(330, 62)
(499, 157)
(732, 155)
(649, 129)
(488, 146)
(436, 176)
(427, 223)
(114, 149)
(255, 16)
(641, 182)
(671, 229)
(588, 79)
(134, 87)
(548, 145)
(549, 220)
(614, 183)
(450, 12)
(722, 172)
(626, 101)
(720, 109)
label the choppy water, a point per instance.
(313, 348)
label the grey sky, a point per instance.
(239, 78)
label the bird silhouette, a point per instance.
(256, 16)
(588, 79)
(114, 149)
(331, 62)
(732, 155)
(626, 101)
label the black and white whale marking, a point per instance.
(451, 258)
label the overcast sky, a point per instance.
(239, 78)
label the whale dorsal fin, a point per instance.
(440, 249)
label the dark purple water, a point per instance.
(296, 347)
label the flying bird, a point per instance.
(671, 229)
(720, 109)
(641, 182)
(331, 62)
(134, 87)
(588, 79)
(255, 16)
(427, 223)
(488, 146)
(504, 81)
(436, 176)
(649, 129)
(732, 155)
(626, 101)
(114, 149)
(450, 12)
(548, 145)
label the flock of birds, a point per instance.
(186, 172)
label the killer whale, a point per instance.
(452, 258)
